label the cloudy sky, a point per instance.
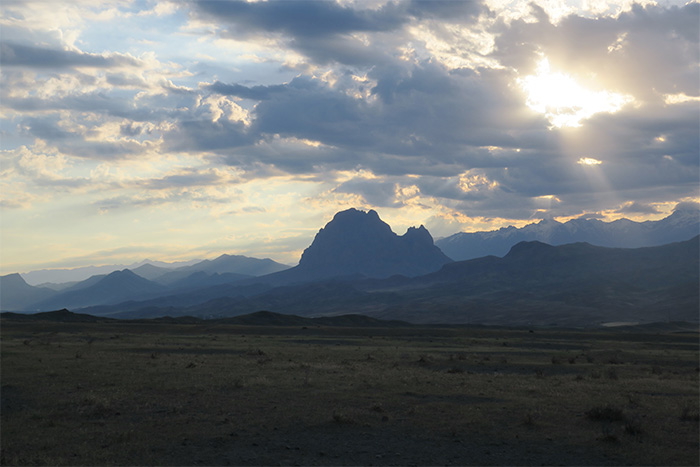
(179, 130)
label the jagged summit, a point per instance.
(357, 242)
(682, 224)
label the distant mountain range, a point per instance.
(144, 282)
(59, 279)
(534, 284)
(683, 224)
(356, 264)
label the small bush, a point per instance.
(690, 414)
(529, 419)
(340, 417)
(633, 429)
(606, 414)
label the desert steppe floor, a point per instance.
(149, 393)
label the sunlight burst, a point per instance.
(565, 102)
(589, 161)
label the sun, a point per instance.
(563, 101)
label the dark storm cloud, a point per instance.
(97, 102)
(300, 19)
(380, 193)
(421, 111)
(204, 135)
(323, 30)
(257, 93)
(29, 56)
(189, 178)
(637, 208)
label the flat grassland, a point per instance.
(176, 394)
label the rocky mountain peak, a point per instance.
(358, 242)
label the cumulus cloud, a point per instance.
(411, 106)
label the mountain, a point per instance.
(241, 266)
(683, 224)
(150, 272)
(201, 279)
(358, 243)
(16, 294)
(60, 276)
(534, 284)
(113, 288)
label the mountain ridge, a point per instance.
(681, 225)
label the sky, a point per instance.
(188, 129)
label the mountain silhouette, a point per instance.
(358, 243)
(241, 266)
(16, 294)
(113, 288)
(534, 284)
(682, 225)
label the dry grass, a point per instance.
(127, 394)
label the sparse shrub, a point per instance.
(690, 414)
(609, 435)
(633, 429)
(596, 374)
(606, 414)
(455, 370)
(615, 359)
(529, 419)
(377, 408)
(572, 360)
(656, 370)
(556, 360)
(340, 417)
(539, 374)
(612, 373)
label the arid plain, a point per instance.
(138, 393)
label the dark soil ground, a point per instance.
(181, 394)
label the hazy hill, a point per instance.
(623, 233)
(201, 279)
(113, 288)
(150, 272)
(60, 276)
(16, 294)
(225, 264)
